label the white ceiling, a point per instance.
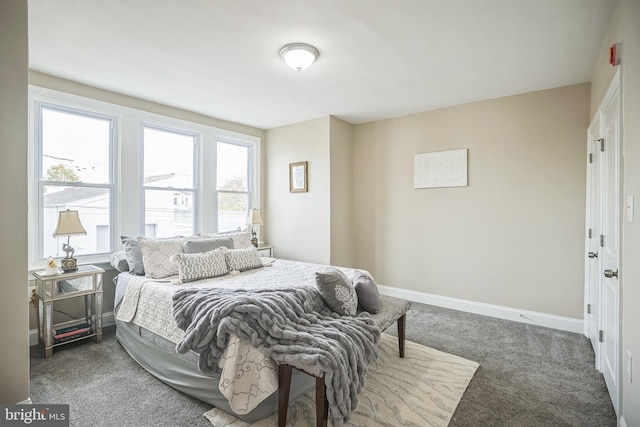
(378, 58)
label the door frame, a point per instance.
(592, 222)
(614, 86)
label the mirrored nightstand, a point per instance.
(85, 282)
(265, 250)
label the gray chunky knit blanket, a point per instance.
(292, 326)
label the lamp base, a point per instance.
(68, 264)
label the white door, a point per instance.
(592, 246)
(610, 244)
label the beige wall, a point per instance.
(514, 236)
(625, 28)
(50, 82)
(298, 224)
(14, 60)
(341, 157)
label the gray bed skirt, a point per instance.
(158, 356)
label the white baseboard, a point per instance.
(25, 402)
(507, 313)
(107, 320)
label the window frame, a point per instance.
(251, 179)
(195, 190)
(126, 209)
(36, 253)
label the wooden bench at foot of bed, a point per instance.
(392, 310)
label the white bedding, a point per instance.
(248, 376)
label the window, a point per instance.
(74, 153)
(169, 182)
(131, 172)
(233, 185)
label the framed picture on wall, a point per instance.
(298, 177)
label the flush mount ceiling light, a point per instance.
(299, 56)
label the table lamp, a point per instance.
(254, 219)
(69, 225)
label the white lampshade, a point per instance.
(254, 217)
(299, 56)
(69, 224)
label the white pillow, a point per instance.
(156, 254)
(201, 265)
(243, 259)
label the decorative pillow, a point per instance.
(243, 259)
(337, 291)
(367, 290)
(194, 246)
(195, 266)
(156, 254)
(119, 261)
(133, 255)
(241, 240)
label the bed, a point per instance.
(148, 331)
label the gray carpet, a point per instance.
(528, 376)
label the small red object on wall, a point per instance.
(614, 54)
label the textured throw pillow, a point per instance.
(194, 246)
(243, 259)
(133, 255)
(337, 291)
(367, 290)
(196, 266)
(119, 261)
(156, 254)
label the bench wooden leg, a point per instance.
(284, 385)
(402, 321)
(322, 404)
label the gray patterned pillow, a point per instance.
(156, 255)
(337, 291)
(367, 290)
(243, 259)
(133, 255)
(201, 265)
(119, 261)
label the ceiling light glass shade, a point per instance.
(299, 56)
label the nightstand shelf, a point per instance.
(85, 282)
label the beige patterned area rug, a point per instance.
(423, 389)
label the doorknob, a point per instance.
(611, 273)
(593, 254)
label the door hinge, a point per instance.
(600, 335)
(588, 308)
(590, 232)
(601, 144)
(590, 157)
(601, 241)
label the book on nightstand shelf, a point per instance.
(71, 328)
(73, 335)
(71, 332)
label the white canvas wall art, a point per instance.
(440, 169)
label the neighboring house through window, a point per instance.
(169, 185)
